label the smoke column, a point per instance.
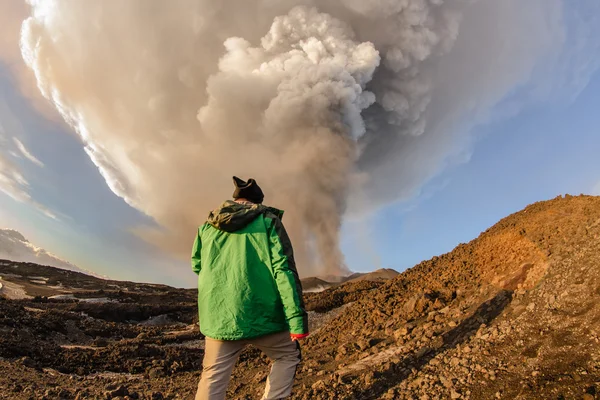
(332, 105)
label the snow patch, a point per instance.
(38, 278)
(12, 291)
(10, 275)
(62, 297)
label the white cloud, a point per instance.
(26, 153)
(14, 185)
(12, 182)
(596, 190)
(14, 247)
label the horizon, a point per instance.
(323, 278)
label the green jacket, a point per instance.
(248, 285)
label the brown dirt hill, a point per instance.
(512, 314)
(382, 274)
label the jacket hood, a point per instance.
(232, 216)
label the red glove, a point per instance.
(296, 336)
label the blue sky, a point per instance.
(537, 155)
(538, 152)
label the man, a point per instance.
(248, 292)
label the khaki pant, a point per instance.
(220, 358)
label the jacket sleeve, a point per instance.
(196, 260)
(286, 278)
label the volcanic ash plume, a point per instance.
(297, 101)
(318, 102)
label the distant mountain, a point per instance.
(315, 284)
(380, 274)
(15, 247)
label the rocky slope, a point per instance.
(513, 314)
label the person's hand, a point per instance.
(296, 336)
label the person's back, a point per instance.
(248, 292)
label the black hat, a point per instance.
(247, 190)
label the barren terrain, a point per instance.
(514, 314)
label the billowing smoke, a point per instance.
(331, 105)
